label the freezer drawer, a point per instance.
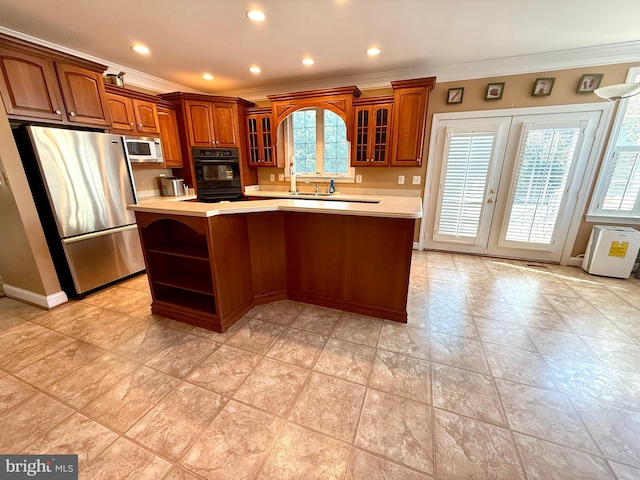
(99, 258)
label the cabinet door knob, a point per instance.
(73, 114)
(131, 124)
(58, 112)
(139, 124)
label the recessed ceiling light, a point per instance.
(256, 15)
(255, 69)
(373, 51)
(140, 49)
(207, 76)
(308, 61)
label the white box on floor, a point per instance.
(611, 251)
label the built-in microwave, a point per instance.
(143, 149)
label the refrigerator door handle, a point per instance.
(101, 233)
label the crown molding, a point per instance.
(133, 77)
(541, 62)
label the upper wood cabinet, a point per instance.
(38, 83)
(411, 98)
(132, 112)
(260, 152)
(212, 123)
(372, 132)
(168, 123)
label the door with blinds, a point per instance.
(509, 187)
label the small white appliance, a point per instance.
(611, 251)
(143, 149)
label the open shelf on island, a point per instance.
(184, 298)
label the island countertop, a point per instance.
(373, 206)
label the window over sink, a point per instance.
(316, 145)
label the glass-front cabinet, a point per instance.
(371, 139)
(259, 143)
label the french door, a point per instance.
(508, 186)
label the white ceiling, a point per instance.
(191, 37)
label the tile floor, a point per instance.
(504, 372)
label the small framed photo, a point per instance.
(494, 91)
(542, 87)
(589, 82)
(454, 95)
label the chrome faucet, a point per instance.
(314, 185)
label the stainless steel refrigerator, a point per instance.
(88, 183)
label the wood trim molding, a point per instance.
(125, 92)
(177, 96)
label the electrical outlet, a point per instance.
(400, 179)
(272, 177)
(416, 180)
(281, 177)
(358, 178)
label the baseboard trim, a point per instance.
(416, 245)
(575, 262)
(49, 301)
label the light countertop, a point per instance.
(364, 205)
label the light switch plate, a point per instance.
(272, 177)
(416, 180)
(400, 179)
(281, 177)
(358, 178)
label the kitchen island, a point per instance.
(210, 263)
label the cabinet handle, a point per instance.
(139, 124)
(131, 124)
(58, 112)
(73, 114)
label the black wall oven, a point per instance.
(217, 174)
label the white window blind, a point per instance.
(617, 192)
(545, 160)
(462, 185)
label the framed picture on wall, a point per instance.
(542, 87)
(454, 95)
(589, 82)
(494, 91)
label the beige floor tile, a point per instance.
(458, 352)
(128, 400)
(329, 405)
(256, 336)
(617, 310)
(234, 445)
(467, 448)
(596, 327)
(124, 460)
(467, 393)
(172, 425)
(548, 461)
(509, 334)
(272, 386)
(104, 328)
(24, 425)
(220, 337)
(128, 301)
(17, 356)
(224, 370)
(625, 472)
(620, 356)
(574, 305)
(592, 382)
(365, 466)
(92, 380)
(144, 345)
(20, 309)
(460, 325)
(539, 318)
(317, 319)
(400, 338)
(519, 366)
(283, 312)
(302, 454)
(9, 321)
(179, 358)
(563, 345)
(544, 414)
(387, 424)
(615, 430)
(298, 347)
(346, 360)
(12, 392)
(57, 365)
(401, 375)
(358, 329)
(179, 474)
(58, 316)
(77, 435)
